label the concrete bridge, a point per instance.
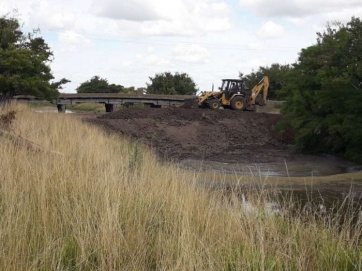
(112, 99)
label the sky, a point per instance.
(128, 41)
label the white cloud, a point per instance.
(299, 8)
(5, 6)
(255, 46)
(126, 41)
(135, 17)
(150, 50)
(153, 60)
(127, 63)
(273, 8)
(271, 30)
(71, 41)
(51, 15)
(190, 53)
(61, 20)
(297, 21)
(133, 10)
(257, 62)
(166, 28)
(169, 18)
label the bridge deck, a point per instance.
(111, 99)
(121, 95)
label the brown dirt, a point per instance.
(236, 143)
(214, 135)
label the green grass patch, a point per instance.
(88, 107)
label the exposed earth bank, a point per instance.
(227, 140)
(217, 135)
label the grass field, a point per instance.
(74, 198)
(88, 107)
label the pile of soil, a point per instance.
(202, 134)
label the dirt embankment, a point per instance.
(220, 135)
(226, 141)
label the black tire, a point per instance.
(238, 103)
(213, 104)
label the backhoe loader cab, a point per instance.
(231, 85)
(233, 94)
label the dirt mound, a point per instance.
(222, 135)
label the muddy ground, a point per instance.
(221, 140)
(224, 146)
(215, 135)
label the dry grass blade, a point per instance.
(108, 204)
(22, 142)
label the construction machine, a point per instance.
(233, 94)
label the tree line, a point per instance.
(162, 83)
(24, 63)
(322, 89)
(322, 92)
(25, 60)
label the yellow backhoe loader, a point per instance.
(234, 95)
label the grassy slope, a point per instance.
(85, 200)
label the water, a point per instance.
(321, 185)
(319, 166)
(53, 111)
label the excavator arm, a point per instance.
(263, 85)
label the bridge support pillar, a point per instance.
(61, 108)
(109, 107)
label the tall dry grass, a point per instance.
(84, 200)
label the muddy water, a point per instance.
(189, 135)
(320, 182)
(299, 166)
(46, 110)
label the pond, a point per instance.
(322, 183)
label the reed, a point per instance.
(75, 198)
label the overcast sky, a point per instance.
(128, 41)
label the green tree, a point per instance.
(324, 94)
(133, 90)
(99, 85)
(24, 63)
(169, 84)
(129, 90)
